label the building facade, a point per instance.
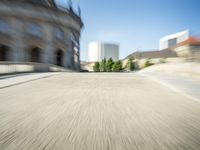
(172, 40)
(189, 49)
(98, 51)
(40, 32)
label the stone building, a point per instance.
(166, 53)
(189, 48)
(39, 31)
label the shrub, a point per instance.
(109, 65)
(148, 63)
(162, 60)
(117, 67)
(96, 67)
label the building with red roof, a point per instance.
(189, 48)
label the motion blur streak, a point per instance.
(94, 112)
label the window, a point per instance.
(4, 26)
(172, 42)
(75, 43)
(59, 33)
(34, 29)
(73, 37)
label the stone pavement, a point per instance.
(72, 111)
(182, 83)
(11, 80)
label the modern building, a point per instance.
(172, 40)
(39, 31)
(98, 51)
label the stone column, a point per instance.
(78, 67)
(68, 52)
(17, 33)
(48, 49)
(77, 54)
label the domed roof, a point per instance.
(48, 3)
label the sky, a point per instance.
(136, 25)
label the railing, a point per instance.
(20, 67)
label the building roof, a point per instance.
(175, 35)
(50, 4)
(167, 53)
(190, 41)
(47, 3)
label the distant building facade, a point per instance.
(172, 40)
(98, 51)
(179, 45)
(39, 31)
(189, 48)
(152, 54)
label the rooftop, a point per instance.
(166, 53)
(50, 4)
(191, 41)
(47, 3)
(175, 35)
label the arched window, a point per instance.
(34, 29)
(4, 26)
(59, 33)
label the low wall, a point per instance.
(189, 68)
(87, 66)
(140, 63)
(21, 67)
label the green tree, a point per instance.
(103, 65)
(96, 67)
(109, 65)
(130, 66)
(117, 67)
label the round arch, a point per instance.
(4, 53)
(35, 54)
(59, 55)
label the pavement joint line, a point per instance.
(171, 87)
(2, 77)
(23, 82)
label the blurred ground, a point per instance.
(15, 79)
(97, 112)
(181, 83)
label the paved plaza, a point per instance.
(89, 111)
